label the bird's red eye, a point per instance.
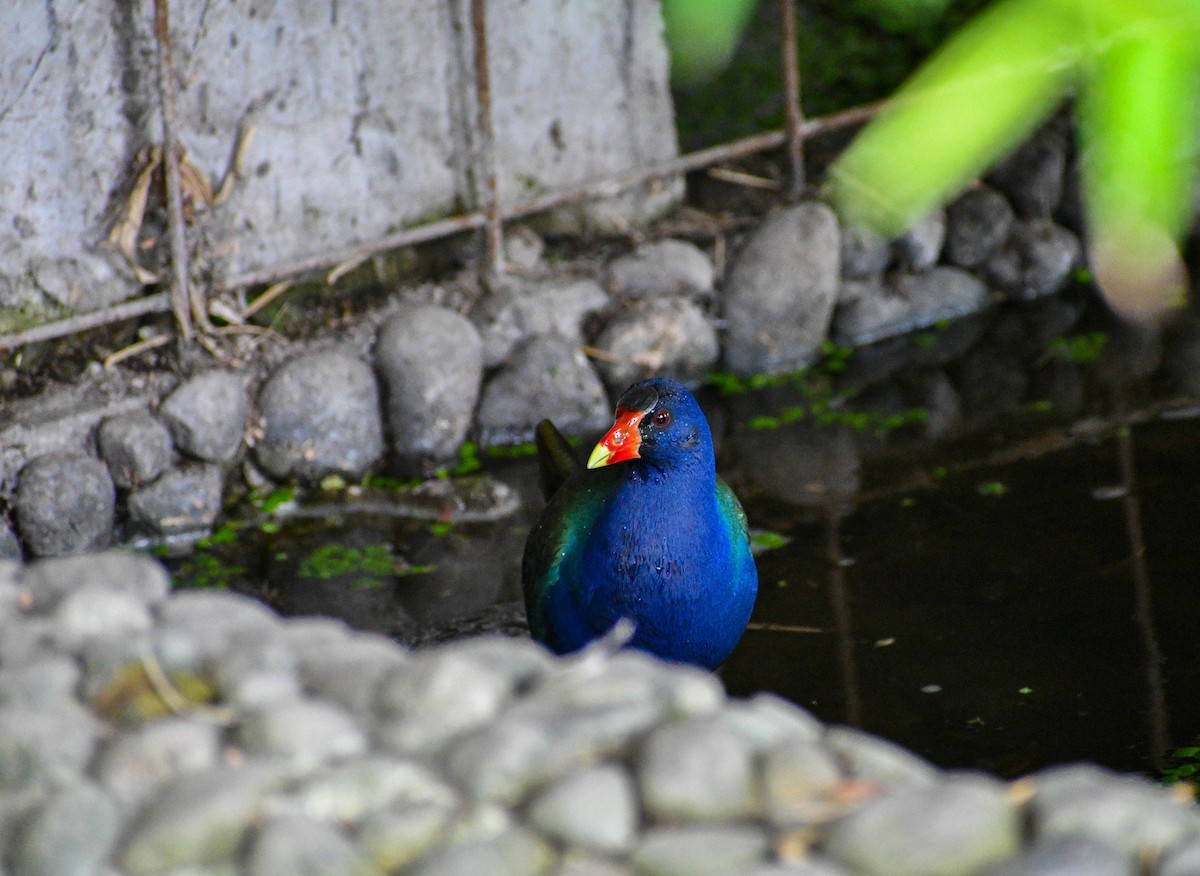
(662, 419)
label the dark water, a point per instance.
(1009, 584)
(1002, 631)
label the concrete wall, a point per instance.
(362, 115)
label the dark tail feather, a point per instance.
(556, 458)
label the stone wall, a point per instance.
(360, 115)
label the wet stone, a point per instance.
(438, 695)
(294, 845)
(864, 756)
(196, 819)
(955, 826)
(96, 611)
(977, 223)
(548, 377)
(668, 338)
(207, 415)
(320, 414)
(393, 837)
(865, 253)
(48, 581)
(663, 267)
(136, 763)
(1066, 856)
(185, 499)
(135, 447)
(349, 791)
(1129, 813)
(781, 290)
(303, 733)
(694, 850)
(64, 504)
(430, 360)
(594, 809)
(72, 833)
(516, 852)
(697, 770)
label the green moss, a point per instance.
(335, 561)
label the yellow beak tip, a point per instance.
(600, 456)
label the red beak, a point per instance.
(621, 442)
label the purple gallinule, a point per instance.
(647, 531)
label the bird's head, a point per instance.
(657, 420)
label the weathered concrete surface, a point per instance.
(361, 113)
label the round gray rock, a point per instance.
(431, 362)
(136, 448)
(865, 253)
(72, 832)
(670, 337)
(1036, 260)
(594, 809)
(185, 499)
(877, 312)
(547, 378)
(921, 245)
(977, 223)
(1066, 856)
(295, 845)
(518, 311)
(697, 770)
(664, 267)
(64, 504)
(207, 415)
(320, 414)
(780, 293)
(10, 545)
(1033, 175)
(952, 827)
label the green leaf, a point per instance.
(988, 87)
(277, 498)
(767, 540)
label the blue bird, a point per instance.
(646, 532)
